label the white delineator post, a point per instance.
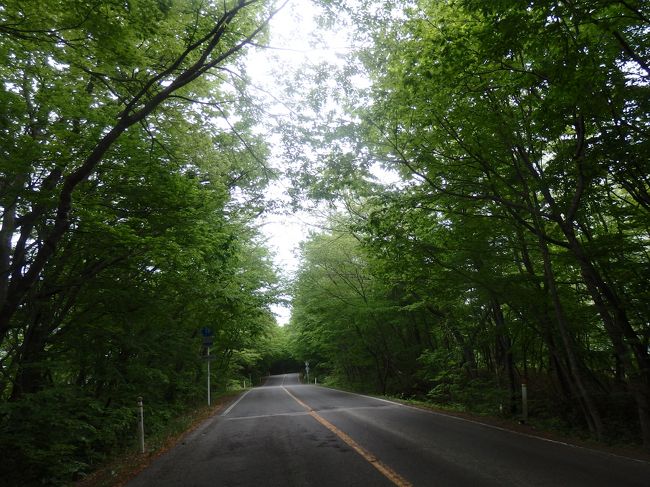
(209, 375)
(524, 402)
(141, 423)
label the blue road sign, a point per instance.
(206, 332)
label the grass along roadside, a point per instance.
(122, 468)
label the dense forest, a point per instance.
(131, 179)
(513, 247)
(485, 166)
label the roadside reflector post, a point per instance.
(141, 423)
(524, 402)
(208, 375)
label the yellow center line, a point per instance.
(385, 470)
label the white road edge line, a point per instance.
(527, 435)
(235, 403)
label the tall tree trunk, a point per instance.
(592, 414)
(572, 371)
(31, 372)
(627, 344)
(504, 347)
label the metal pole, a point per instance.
(209, 376)
(141, 425)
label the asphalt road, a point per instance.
(288, 434)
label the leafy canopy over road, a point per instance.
(515, 247)
(130, 180)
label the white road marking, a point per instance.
(261, 416)
(384, 469)
(235, 403)
(486, 425)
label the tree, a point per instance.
(121, 234)
(516, 128)
(74, 88)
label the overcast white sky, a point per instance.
(292, 45)
(295, 41)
